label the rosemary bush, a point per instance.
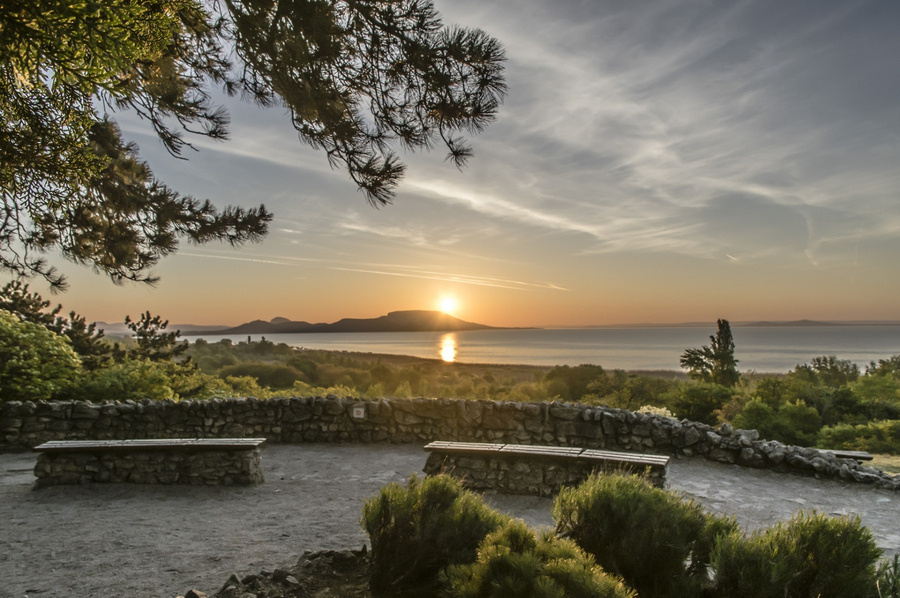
(659, 543)
(418, 530)
(810, 556)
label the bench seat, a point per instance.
(531, 469)
(196, 461)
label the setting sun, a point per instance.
(448, 304)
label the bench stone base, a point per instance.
(536, 475)
(150, 466)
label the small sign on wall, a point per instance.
(358, 412)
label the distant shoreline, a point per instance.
(744, 324)
(214, 330)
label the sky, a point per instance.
(659, 161)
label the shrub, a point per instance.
(887, 582)
(575, 380)
(656, 541)
(417, 531)
(808, 557)
(699, 402)
(793, 423)
(875, 437)
(514, 562)
(757, 415)
(35, 363)
(266, 374)
(137, 379)
(798, 424)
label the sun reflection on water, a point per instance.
(448, 348)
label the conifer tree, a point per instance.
(358, 77)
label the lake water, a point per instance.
(761, 349)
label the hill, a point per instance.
(395, 321)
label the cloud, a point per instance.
(698, 128)
(485, 281)
(232, 258)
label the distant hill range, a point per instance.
(396, 321)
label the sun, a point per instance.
(448, 304)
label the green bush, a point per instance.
(792, 423)
(35, 363)
(513, 562)
(699, 402)
(267, 374)
(575, 380)
(137, 379)
(874, 437)
(798, 424)
(656, 541)
(811, 556)
(417, 531)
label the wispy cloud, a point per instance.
(628, 122)
(483, 281)
(232, 258)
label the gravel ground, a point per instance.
(160, 541)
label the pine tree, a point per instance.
(357, 77)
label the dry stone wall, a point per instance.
(206, 467)
(417, 421)
(526, 474)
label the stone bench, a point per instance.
(195, 461)
(535, 470)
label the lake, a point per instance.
(761, 349)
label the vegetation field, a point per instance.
(828, 402)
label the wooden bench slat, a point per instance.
(462, 447)
(632, 458)
(545, 451)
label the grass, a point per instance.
(887, 463)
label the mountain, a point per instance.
(395, 321)
(767, 324)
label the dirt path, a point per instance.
(160, 541)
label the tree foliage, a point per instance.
(357, 77)
(152, 343)
(714, 362)
(67, 179)
(828, 370)
(366, 73)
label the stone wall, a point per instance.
(417, 421)
(205, 467)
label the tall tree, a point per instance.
(714, 362)
(152, 343)
(358, 76)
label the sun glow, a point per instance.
(448, 305)
(448, 348)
